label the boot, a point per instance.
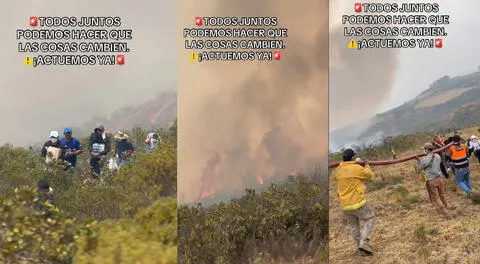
(365, 247)
(361, 253)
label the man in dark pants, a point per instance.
(124, 148)
(99, 147)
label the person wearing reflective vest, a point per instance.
(458, 154)
(351, 188)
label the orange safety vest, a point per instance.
(459, 157)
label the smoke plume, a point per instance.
(241, 123)
(37, 100)
(360, 81)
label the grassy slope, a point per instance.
(408, 229)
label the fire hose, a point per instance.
(390, 162)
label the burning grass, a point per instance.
(283, 223)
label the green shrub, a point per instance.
(148, 178)
(150, 237)
(285, 221)
(29, 235)
(124, 217)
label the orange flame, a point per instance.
(206, 194)
(260, 180)
(259, 162)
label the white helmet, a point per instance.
(473, 137)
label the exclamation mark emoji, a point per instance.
(352, 44)
(28, 61)
(194, 57)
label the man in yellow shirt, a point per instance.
(351, 188)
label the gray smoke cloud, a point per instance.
(36, 100)
(360, 81)
(226, 109)
(362, 84)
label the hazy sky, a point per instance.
(226, 109)
(412, 69)
(36, 100)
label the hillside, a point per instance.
(408, 229)
(160, 111)
(448, 103)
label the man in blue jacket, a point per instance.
(72, 146)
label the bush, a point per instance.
(125, 217)
(150, 237)
(284, 221)
(30, 236)
(150, 177)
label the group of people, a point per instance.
(456, 158)
(436, 166)
(68, 148)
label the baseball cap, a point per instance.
(54, 134)
(100, 126)
(67, 130)
(428, 146)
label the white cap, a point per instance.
(54, 134)
(473, 137)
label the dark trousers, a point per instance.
(477, 154)
(96, 166)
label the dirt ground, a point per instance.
(408, 229)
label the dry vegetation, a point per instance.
(408, 228)
(442, 97)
